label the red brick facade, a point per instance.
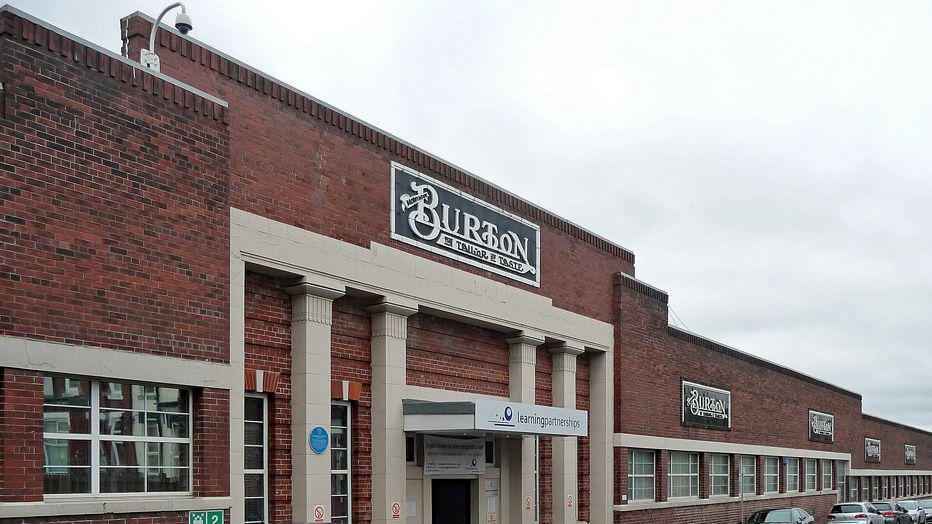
(115, 233)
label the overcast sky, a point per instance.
(769, 163)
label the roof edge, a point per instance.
(707, 343)
(880, 420)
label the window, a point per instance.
(490, 452)
(902, 486)
(340, 463)
(852, 489)
(811, 474)
(909, 486)
(684, 474)
(719, 475)
(411, 448)
(640, 475)
(255, 457)
(114, 437)
(886, 488)
(771, 474)
(792, 475)
(826, 475)
(748, 475)
(875, 488)
(842, 477)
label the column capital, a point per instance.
(525, 337)
(394, 308)
(307, 288)
(568, 348)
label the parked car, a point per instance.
(855, 513)
(781, 516)
(893, 513)
(916, 511)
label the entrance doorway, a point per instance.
(451, 501)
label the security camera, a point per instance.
(183, 23)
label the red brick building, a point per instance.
(220, 296)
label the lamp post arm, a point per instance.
(155, 26)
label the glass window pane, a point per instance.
(340, 505)
(253, 434)
(338, 460)
(66, 420)
(167, 454)
(122, 396)
(173, 400)
(61, 452)
(255, 485)
(255, 510)
(167, 425)
(254, 458)
(67, 391)
(122, 423)
(253, 409)
(338, 415)
(122, 480)
(60, 481)
(168, 479)
(116, 453)
(338, 438)
(339, 485)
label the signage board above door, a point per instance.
(434, 216)
(530, 419)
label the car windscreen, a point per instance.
(848, 508)
(773, 516)
(908, 504)
(883, 506)
(926, 503)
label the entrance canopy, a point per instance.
(484, 416)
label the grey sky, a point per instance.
(767, 162)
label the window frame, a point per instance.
(653, 475)
(827, 473)
(792, 475)
(265, 452)
(775, 476)
(670, 475)
(742, 475)
(814, 475)
(713, 475)
(95, 439)
(349, 462)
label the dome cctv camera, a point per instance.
(183, 23)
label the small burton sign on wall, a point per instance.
(821, 427)
(705, 406)
(871, 450)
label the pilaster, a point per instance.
(389, 376)
(601, 436)
(522, 363)
(312, 317)
(565, 482)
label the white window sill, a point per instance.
(679, 503)
(101, 505)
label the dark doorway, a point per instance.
(451, 501)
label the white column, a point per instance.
(312, 317)
(601, 437)
(565, 485)
(389, 376)
(522, 364)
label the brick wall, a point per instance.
(446, 354)
(301, 163)
(893, 438)
(211, 442)
(352, 360)
(769, 405)
(113, 204)
(268, 348)
(21, 472)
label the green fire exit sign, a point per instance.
(206, 517)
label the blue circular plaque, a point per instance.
(318, 439)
